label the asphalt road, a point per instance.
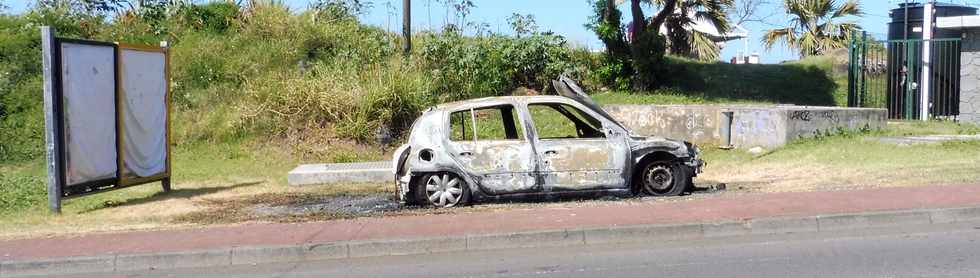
(907, 251)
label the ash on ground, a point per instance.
(343, 204)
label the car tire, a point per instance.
(664, 178)
(442, 190)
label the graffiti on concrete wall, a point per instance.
(807, 115)
(803, 115)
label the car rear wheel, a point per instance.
(442, 190)
(664, 178)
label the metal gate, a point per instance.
(888, 74)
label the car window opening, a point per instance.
(486, 124)
(561, 121)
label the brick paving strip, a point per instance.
(723, 215)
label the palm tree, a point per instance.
(815, 28)
(684, 40)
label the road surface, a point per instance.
(907, 251)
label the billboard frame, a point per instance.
(54, 110)
(164, 177)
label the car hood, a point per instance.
(567, 87)
(648, 141)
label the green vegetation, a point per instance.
(267, 72)
(810, 81)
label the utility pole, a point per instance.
(407, 27)
(927, 19)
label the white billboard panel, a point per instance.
(89, 91)
(144, 112)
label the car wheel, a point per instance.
(664, 178)
(442, 190)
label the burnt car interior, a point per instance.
(562, 121)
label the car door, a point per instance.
(576, 150)
(491, 144)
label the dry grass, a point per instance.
(850, 162)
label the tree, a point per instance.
(815, 27)
(744, 11)
(642, 57)
(684, 40)
(523, 24)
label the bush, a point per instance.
(467, 67)
(213, 17)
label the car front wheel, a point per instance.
(442, 190)
(664, 178)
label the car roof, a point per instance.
(490, 101)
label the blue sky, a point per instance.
(567, 17)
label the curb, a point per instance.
(250, 255)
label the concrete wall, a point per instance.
(970, 77)
(767, 126)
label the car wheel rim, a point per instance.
(444, 190)
(658, 178)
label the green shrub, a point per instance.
(213, 17)
(467, 67)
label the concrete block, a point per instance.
(954, 215)
(188, 259)
(723, 229)
(525, 240)
(782, 225)
(643, 233)
(364, 172)
(865, 220)
(406, 247)
(58, 266)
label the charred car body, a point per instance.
(522, 146)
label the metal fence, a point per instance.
(888, 74)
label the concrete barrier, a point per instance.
(364, 172)
(744, 126)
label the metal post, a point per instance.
(851, 72)
(862, 78)
(926, 86)
(407, 26)
(165, 182)
(52, 109)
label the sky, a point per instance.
(568, 17)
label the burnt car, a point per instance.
(526, 146)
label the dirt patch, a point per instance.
(298, 207)
(340, 205)
(289, 207)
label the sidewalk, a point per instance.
(712, 209)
